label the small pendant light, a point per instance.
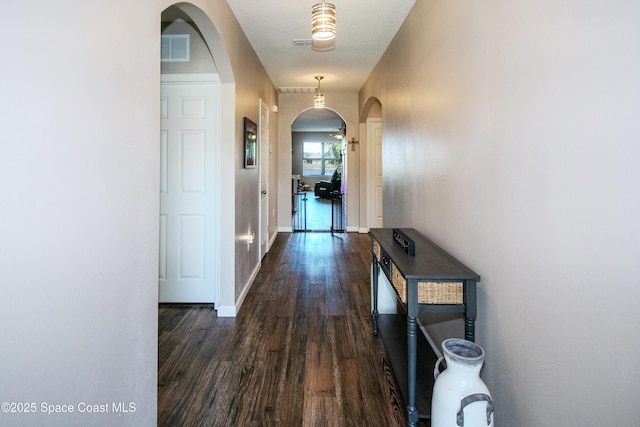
(318, 99)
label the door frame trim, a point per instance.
(263, 158)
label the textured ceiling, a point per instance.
(364, 30)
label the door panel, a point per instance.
(192, 259)
(187, 215)
(163, 248)
(193, 155)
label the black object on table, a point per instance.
(431, 280)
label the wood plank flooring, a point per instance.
(299, 353)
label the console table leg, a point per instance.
(412, 349)
(413, 416)
(470, 310)
(469, 329)
(375, 322)
(374, 273)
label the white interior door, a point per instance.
(374, 172)
(188, 216)
(264, 178)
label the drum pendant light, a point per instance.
(323, 21)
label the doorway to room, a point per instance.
(372, 116)
(196, 83)
(318, 168)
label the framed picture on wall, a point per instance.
(250, 144)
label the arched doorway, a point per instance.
(197, 73)
(372, 117)
(317, 160)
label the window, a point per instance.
(320, 158)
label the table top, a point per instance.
(430, 262)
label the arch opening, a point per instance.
(318, 170)
(371, 119)
(209, 68)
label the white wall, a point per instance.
(79, 183)
(79, 168)
(511, 138)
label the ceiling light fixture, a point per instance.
(318, 99)
(323, 21)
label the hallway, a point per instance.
(299, 353)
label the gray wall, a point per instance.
(511, 138)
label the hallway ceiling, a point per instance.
(364, 30)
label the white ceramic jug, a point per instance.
(460, 397)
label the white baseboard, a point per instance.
(272, 239)
(227, 311)
(285, 229)
(242, 296)
(352, 229)
(363, 230)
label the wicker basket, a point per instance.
(399, 283)
(440, 293)
(430, 292)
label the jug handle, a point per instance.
(436, 369)
(475, 398)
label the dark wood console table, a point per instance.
(431, 280)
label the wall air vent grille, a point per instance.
(175, 48)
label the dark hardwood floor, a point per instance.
(299, 353)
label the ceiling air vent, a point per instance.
(291, 89)
(303, 42)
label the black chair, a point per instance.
(324, 188)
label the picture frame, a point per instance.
(250, 144)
